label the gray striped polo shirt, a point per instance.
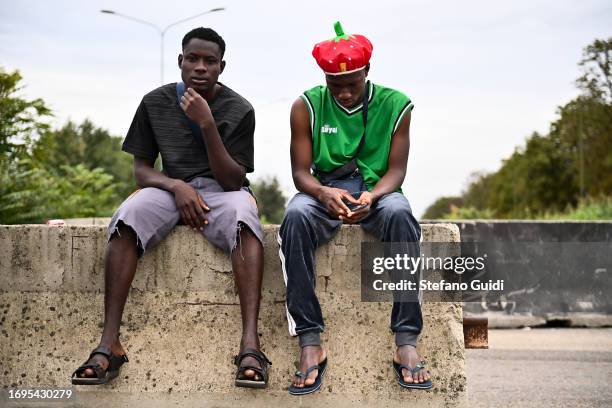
(160, 127)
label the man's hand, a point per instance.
(332, 199)
(364, 199)
(191, 206)
(196, 108)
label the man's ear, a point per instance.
(180, 60)
(367, 69)
(222, 66)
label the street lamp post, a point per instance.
(161, 31)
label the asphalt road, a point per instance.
(542, 368)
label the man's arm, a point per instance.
(394, 177)
(190, 204)
(301, 160)
(147, 176)
(398, 160)
(229, 174)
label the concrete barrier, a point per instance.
(181, 324)
(570, 295)
(103, 221)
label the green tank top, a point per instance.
(336, 130)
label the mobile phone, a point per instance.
(355, 207)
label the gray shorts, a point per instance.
(152, 213)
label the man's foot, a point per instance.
(310, 356)
(116, 349)
(250, 361)
(408, 356)
(252, 366)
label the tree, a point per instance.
(41, 176)
(442, 207)
(596, 64)
(79, 192)
(270, 200)
(90, 146)
(20, 119)
(476, 194)
(563, 168)
(35, 194)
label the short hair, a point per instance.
(206, 34)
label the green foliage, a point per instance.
(270, 200)
(17, 194)
(534, 178)
(20, 119)
(588, 209)
(469, 213)
(90, 146)
(559, 171)
(79, 192)
(72, 172)
(33, 194)
(596, 65)
(442, 207)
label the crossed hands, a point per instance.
(336, 199)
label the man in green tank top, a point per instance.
(349, 152)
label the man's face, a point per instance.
(200, 64)
(347, 89)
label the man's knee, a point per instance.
(238, 205)
(403, 220)
(122, 231)
(239, 199)
(397, 208)
(298, 211)
(294, 214)
(400, 213)
(122, 240)
(399, 218)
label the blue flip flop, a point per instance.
(308, 389)
(400, 378)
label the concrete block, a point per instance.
(181, 324)
(581, 289)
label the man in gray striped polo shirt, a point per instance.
(203, 131)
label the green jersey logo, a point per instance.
(328, 129)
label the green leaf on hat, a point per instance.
(340, 35)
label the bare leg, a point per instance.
(119, 270)
(247, 263)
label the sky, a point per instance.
(483, 75)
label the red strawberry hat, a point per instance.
(344, 53)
